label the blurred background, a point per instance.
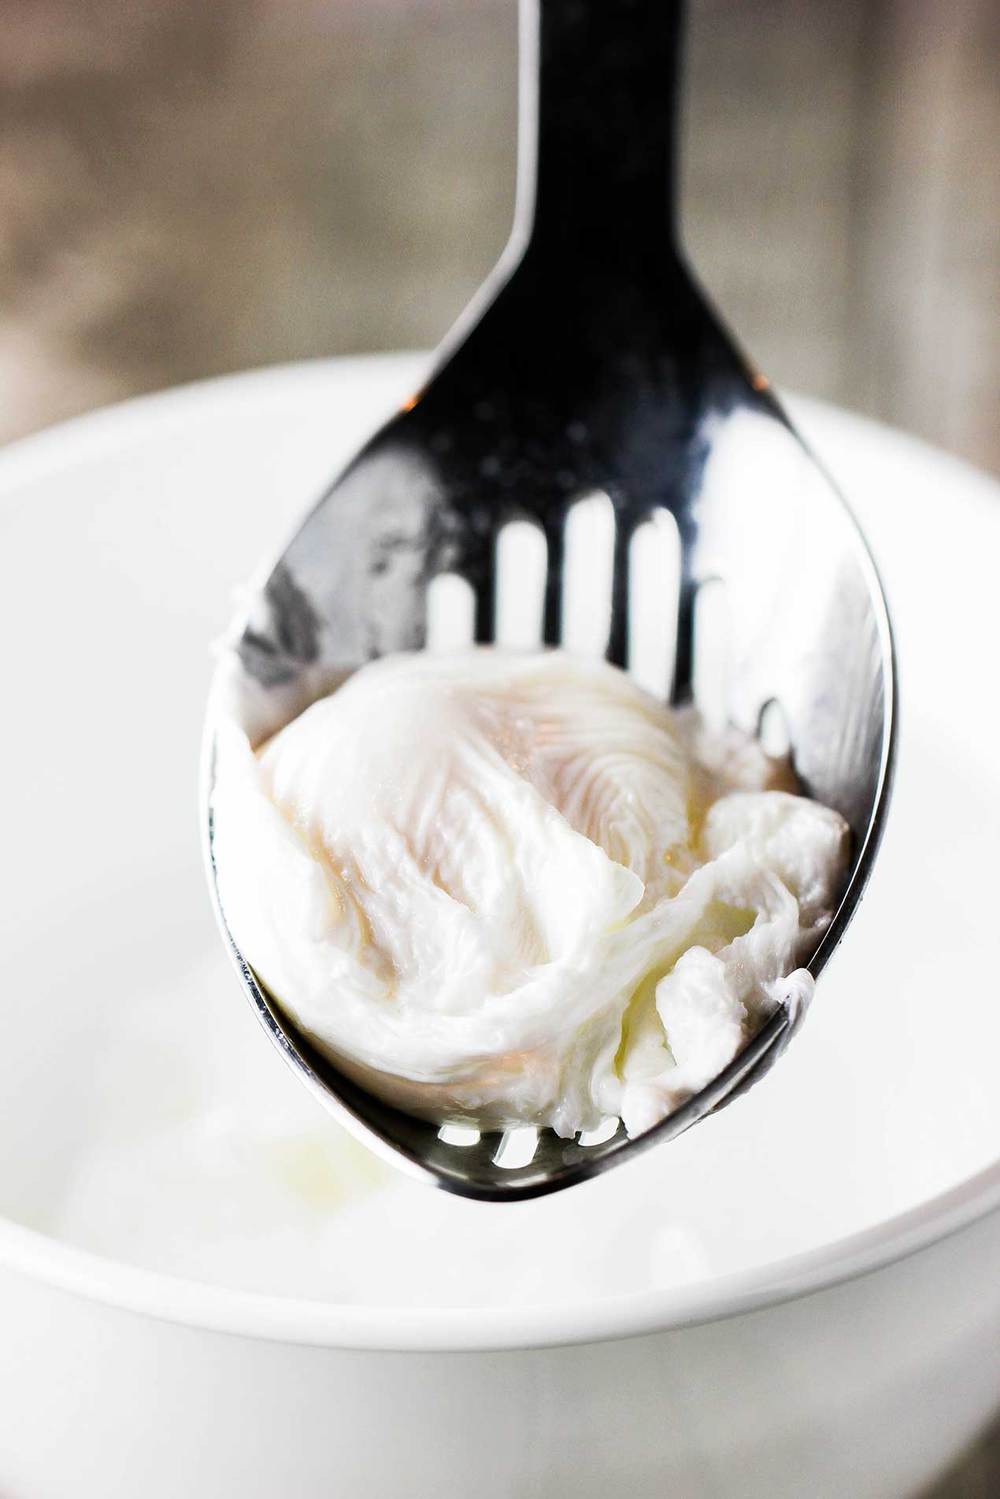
(196, 186)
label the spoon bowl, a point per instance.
(593, 464)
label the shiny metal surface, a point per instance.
(591, 363)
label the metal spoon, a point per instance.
(591, 366)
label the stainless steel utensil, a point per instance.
(592, 365)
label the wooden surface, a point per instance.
(189, 189)
(193, 188)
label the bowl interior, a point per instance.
(144, 1116)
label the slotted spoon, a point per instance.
(587, 408)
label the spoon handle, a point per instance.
(598, 122)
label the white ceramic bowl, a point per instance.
(818, 1312)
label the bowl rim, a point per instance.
(402, 1329)
(66, 1267)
